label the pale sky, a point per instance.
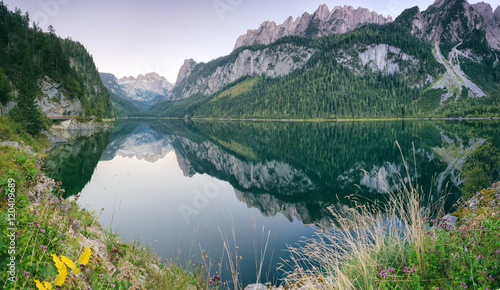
(132, 37)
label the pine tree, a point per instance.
(26, 112)
(4, 88)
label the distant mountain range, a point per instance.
(143, 91)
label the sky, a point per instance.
(132, 37)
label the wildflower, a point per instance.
(215, 280)
(45, 285)
(390, 270)
(496, 252)
(383, 274)
(44, 248)
(26, 274)
(30, 224)
(479, 257)
(69, 263)
(394, 277)
(61, 269)
(84, 258)
(42, 230)
(100, 275)
(113, 285)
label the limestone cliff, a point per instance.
(209, 78)
(322, 22)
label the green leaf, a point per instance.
(49, 271)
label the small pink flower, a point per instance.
(42, 230)
(44, 248)
(479, 257)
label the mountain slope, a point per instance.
(466, 41)
(321, 22)
(60, 76)
(122, 106)
(437, 62)
(373, 71)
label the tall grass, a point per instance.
(366, 239)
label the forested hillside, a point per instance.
(326, 87)
(441, 62)
(39, 67)
(94, 95)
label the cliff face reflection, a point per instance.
(296, 169)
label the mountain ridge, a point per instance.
(143, 91)
(440, 60)
(321, 22)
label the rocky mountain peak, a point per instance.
(453, 20)
(125, 79)
(144, 91)
(496, 15)
(185, 70)
(321, 22)
(323, 12)
(486, 11)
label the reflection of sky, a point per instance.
(146, 200)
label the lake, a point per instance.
(183, 187)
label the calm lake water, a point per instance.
(182, 187)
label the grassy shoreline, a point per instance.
(45, 225)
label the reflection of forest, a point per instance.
(295, 168)
(74, 163)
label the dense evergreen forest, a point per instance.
(28, 55)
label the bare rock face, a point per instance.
(185, 70)
(322, 22)
(452, 20)
(271, 62)
(496, 15)
(54, 103)
(146, 89)
(491, 22)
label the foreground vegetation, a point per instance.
(43, 225)
(406, 243)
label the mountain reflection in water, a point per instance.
(163, 180)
